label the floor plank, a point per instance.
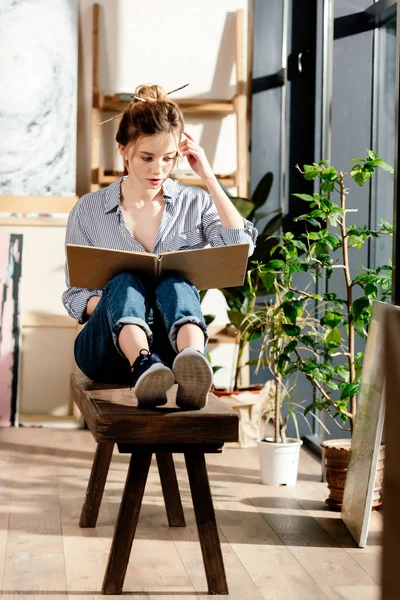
(278, 543)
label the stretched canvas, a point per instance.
(38, 100)
(10, 325)
(368, 427)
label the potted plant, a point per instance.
(241, 302)
(279, 454)
(326, 352)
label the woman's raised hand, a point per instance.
(196, 157)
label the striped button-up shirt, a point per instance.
(190, 220)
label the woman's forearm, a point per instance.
(228, 214)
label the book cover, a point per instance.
(206, 268)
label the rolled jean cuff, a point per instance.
(130, 321)
(183, 321)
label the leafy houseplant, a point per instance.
(269, 322)
(326, 352)
(241, 300)
(279, 455)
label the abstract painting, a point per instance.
(10, 325)
(38, 100)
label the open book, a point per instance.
(224, 266)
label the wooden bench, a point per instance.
(112, 416)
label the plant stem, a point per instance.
(349, 291)
(238, 364)
(277, 409)
(243, 339)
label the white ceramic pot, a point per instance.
(279, 463)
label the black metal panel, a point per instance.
(302, 88)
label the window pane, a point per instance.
(384, 135)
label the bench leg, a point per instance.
(206, 524)
(125, 527)
(95, 488)
(169, 484)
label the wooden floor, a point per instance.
(278, 543)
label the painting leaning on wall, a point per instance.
(10, 325)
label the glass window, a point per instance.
(384, 135)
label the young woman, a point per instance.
(151, 336)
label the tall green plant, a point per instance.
(326, 352)
(242, 300)
(270, 322)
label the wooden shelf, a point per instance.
(220, 334)
(107, 177)
(33, 222)
(200, 106)
(37, 204)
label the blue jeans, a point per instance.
(129, 298)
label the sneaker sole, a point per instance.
(151, 387)
(194, 377)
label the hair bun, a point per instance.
(151, 92)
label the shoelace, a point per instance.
(144, 355)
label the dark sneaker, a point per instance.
(150, 378)
(194, 374)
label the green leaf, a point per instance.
(236, 318)
(317, 213)
(291, 346)
(331, 319)
(268, 280)
(276, 264)
(263, 189)
(358, 177)
(299, 245)
(308, 341)
(349, 390)
(209, 319)
(305, 197)
(343, 372)
(291, 330)
(329, 174)
(290, 312)
(359, 305)
(310, 172)
(332, 385)
(385, 166)
(371, 290)
(244, 206)
(334, 337)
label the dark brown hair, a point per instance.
(158, 114)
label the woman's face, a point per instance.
(151, 159)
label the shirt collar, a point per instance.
(113, 193)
